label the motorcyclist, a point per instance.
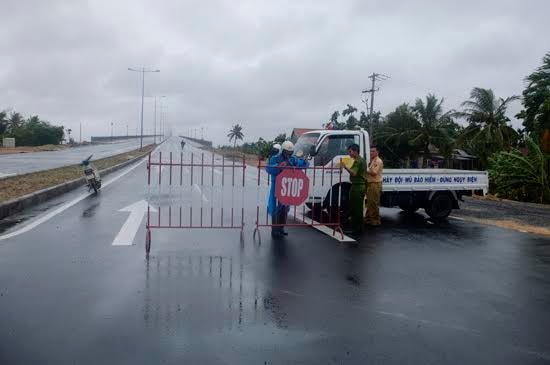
(87, 165)
(277, 164)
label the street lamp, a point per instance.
(155, 123)
(143, 71)
(161, 127)
(111, 132)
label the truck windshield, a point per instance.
(305, 142)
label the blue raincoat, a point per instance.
(273, 170)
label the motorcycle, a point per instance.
(93, 180)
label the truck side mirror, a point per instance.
(312, 151)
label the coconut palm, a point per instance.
(489, 130)
(432, 130)
(235, 133)
(396, 133)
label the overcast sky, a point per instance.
(269, 66)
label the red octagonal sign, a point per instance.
(292, 187)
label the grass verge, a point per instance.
(17, 186)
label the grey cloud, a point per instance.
(268, 65)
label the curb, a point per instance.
(26, 201)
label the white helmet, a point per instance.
(277, 146)
(288, 146)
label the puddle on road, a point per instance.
(91, 210)
(207, 294)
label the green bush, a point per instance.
(37, 134)
(29, 132)
(516, 176)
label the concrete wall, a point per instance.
(115, 138)
(8, 142)
(197, 140)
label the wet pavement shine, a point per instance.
(409, 292)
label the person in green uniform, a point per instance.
(358, 174)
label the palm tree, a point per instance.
(432, 130)
(397, 131)
(235, 133)
(15, 121)
(488, 129)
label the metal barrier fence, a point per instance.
(321, 208)
(189, 191)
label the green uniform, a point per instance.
(357, 193)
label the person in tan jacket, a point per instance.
(374, 188)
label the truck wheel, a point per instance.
(408, 204)
(331, 202)
(440, 207)
(408, 208)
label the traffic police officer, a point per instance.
(374, 188)
(357, 173)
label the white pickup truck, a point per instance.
(436, 190)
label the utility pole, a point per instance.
(80, 133)
(374, 77)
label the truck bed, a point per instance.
(434, 179)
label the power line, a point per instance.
(374, 77)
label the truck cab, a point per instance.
(437, 191)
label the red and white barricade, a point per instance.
(199, 191)
(312, 195)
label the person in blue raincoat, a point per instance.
(276, 165)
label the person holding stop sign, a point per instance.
(276, 208)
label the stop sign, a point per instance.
(292, 187)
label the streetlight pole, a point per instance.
(143, 71)
(161, 118)
(111, 132)
(155, 119)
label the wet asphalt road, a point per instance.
(410, 292)
(22, 163)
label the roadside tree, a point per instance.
(489, 128)
(235, 134)
(536, 103)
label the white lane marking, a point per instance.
(326, 230)
(200, 191)
(127, 233)
(65, 206)
(457, 218)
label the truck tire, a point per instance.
(408, 204)
(440, 207)
(409, 209)
(331, 202)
